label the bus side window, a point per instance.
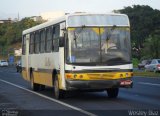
(53, 33)
(31, 46)
(42, 41)
(49, 39)
(37, 42)
(56, 32)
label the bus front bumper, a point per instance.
(98, 84)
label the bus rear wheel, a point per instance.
(42, 87)
(34, 86)
(112, 92)
(57, 91)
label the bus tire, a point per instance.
(42, 87)
(34, 86)
(112, 92)
(58, 93)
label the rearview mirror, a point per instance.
(61, 42)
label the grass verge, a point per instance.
(146, 74)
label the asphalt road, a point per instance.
(16, 98)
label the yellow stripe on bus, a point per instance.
(98, 76)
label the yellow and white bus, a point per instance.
(79, 51)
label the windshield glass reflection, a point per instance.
(103, 46)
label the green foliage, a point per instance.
(11, 33)
(152, 46)
(135, 62)
(144, 22)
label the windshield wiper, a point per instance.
(112, 29)
(75, 39)
(77, 35)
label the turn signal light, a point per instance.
(69, 76)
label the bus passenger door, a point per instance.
(61, 60)
(27, 57)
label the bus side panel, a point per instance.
(43, 66)
(43, 78)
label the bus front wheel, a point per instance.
(57, 91)
(34, 86)
(112, 92)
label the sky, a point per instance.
(27, 8)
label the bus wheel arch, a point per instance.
(30, 71)
(54, 73)
(34, 86)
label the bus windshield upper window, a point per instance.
(98, 20)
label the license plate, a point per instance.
(127, 82)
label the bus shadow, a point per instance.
(79, 95)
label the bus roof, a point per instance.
(43, 25)
(77, 16)
(83, 13)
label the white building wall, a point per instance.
(52, 15)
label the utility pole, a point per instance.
(18, 16)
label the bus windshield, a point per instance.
(98, 46)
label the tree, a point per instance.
(152, 46)
(11, 33)
(144, 21)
